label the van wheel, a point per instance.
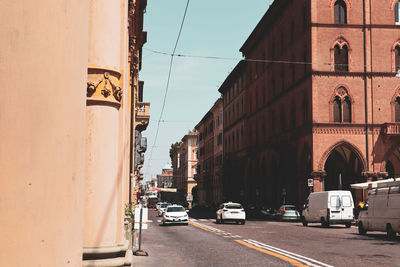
(243, 222)
(303, 220)
(389, 231)
(361, 229)
(348, 225)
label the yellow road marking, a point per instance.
(205, 229)
(227, 236)
(291, 261)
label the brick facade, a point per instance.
(320, 100)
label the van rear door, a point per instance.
(347, 208)
(335, 208)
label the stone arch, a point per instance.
(340, 41)
(395, 147)
(344, 143)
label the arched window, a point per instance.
(397, 13)
(397, 57)
(340, 12)
(341, 106)
(337, 110)
(397, 110)
(341, 58)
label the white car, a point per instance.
(162, 208)
(158, 205)
(175, 214)
(231, 212)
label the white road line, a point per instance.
(203, 220)
(149, 220)
(158, 220)
(306, 260)
(192, 220)
(236, 236)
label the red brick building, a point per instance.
(209, 166)
(322, 100)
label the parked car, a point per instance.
(158, 205)
(329, 207)
(287, 213)
(175, 214)
(162, 208)
(268, 213)
(231, 212)
(382, 211)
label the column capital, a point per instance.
(103, 86)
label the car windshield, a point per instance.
(290, 208)
(233, 206)
(175, 209)
(165, 205)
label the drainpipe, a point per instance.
(365, 88)
(372, 86)
(132, 132)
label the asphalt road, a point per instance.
(263, 243)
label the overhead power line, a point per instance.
(237, 58)
(167, 85)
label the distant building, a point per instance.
(164, 180)
(209, 166)
(184, 160)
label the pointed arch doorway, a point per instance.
(343, 167)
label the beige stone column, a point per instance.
(102, 239)
(43, 62)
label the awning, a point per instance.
(373, 184)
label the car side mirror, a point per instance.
(187, 210)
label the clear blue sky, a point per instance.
(211, 28)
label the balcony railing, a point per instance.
(391, 128)
(142, 115)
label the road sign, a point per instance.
(310, 182)
(144, 218)
(189, 198)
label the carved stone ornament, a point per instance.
(103, 88)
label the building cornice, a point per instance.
(355, 26)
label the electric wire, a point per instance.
(167, 85)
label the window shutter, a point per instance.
(337, 110)
(337, 58)
(346, 110)
(340, 12)
(397, 57)
(397, 110)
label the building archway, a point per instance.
(392, 163)
(343, 167)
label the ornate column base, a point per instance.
(107, 256)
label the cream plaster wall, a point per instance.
(105, 33)
(101, 187)
(43, 59)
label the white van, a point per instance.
(329, 207)
(383, 210)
